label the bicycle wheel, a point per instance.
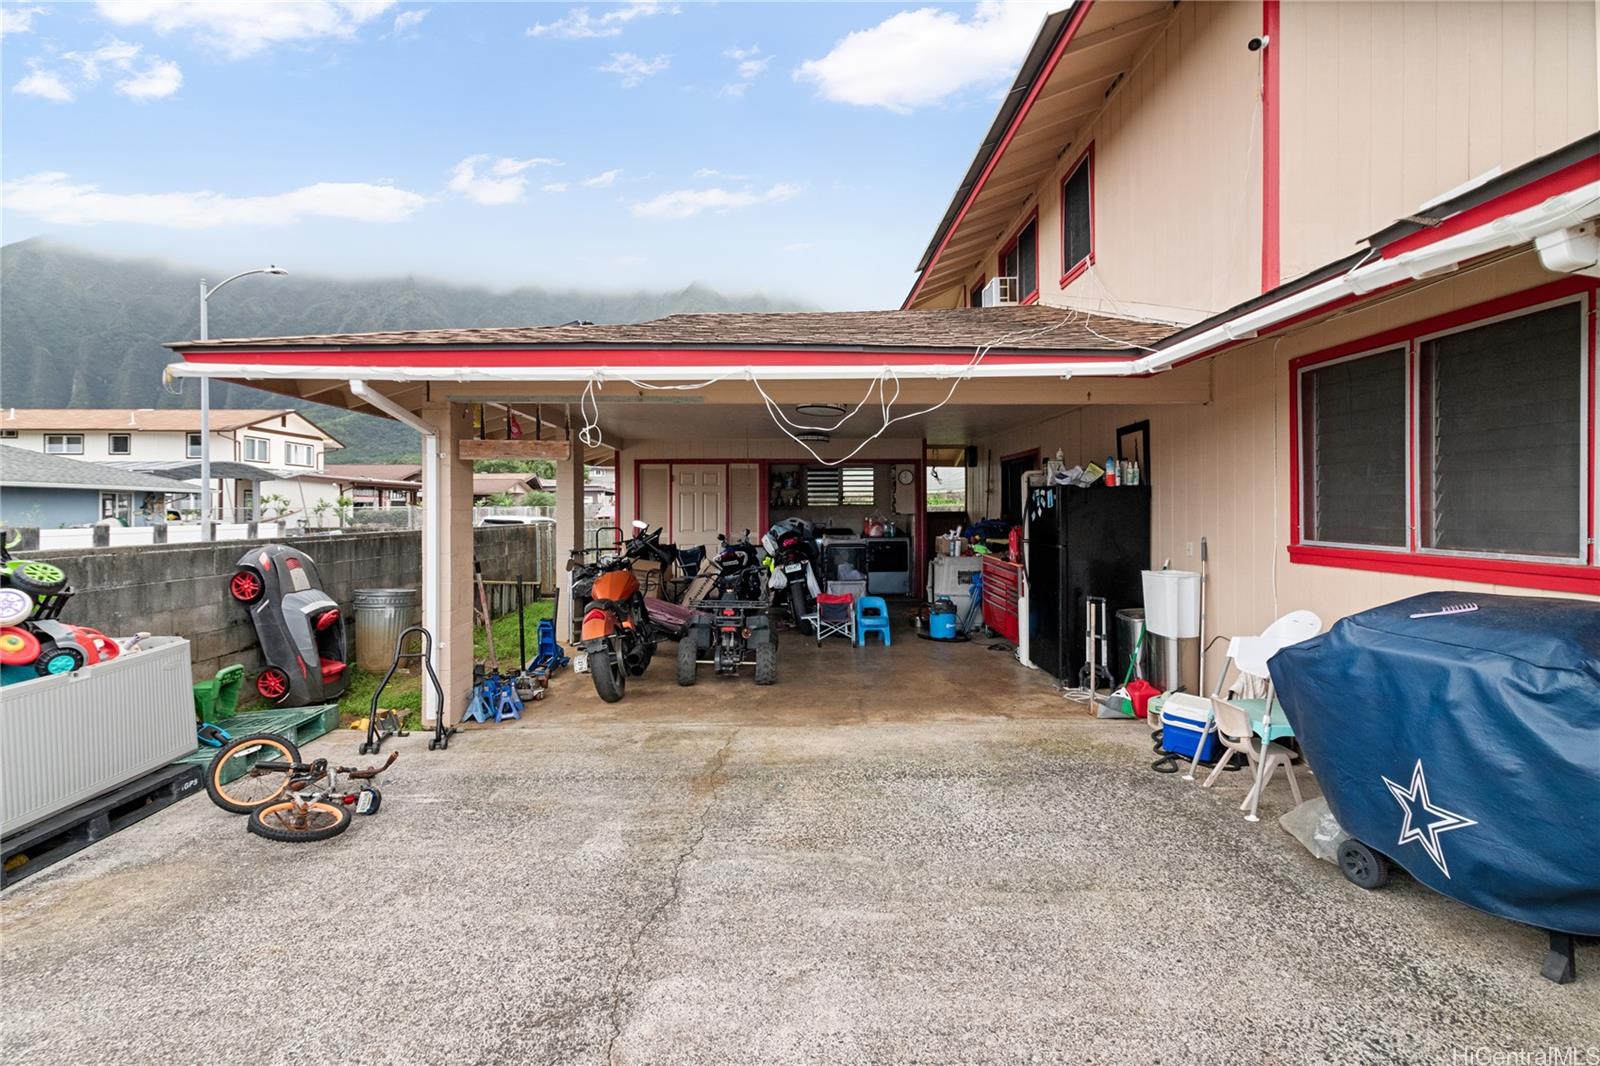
(250, 772)
(293, 824)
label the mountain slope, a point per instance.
(85, 330)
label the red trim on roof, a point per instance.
(1535, 192)
(541, 358)
(1079, 12)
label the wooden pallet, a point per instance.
(50, 841)
(298, 725)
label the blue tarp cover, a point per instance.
(1466, 747)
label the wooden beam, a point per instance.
(513, 449)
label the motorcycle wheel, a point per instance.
(610, 675)
(797, 606)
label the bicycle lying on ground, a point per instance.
(262, 776)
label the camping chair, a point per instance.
(1237, 732)
(835, 616)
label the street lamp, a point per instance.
(205, 396)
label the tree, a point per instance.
(544, 468)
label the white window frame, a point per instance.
(289, 448)
(266, 449)
(1414, 402)
(67, 440)
(111, 443)
(1307, 473)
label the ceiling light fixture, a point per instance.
(819, 410)
(812, 437)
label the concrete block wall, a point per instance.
(183, 589)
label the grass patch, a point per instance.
(405, 690)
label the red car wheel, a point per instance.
(273, 684)
(246, 585)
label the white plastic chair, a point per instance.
(1236, 732)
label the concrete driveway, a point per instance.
(919, 854)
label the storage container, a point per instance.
(381, 616)
(1184, 719)
(67, 738)
(1172, 602)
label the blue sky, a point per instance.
(804, 150)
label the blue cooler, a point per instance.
(1184, 720)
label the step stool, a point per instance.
(872, 616)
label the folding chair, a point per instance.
(835, 617)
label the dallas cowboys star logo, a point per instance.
(1436, 820)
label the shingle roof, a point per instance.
(19, 467)
(373, 471)
(489, 484)
(1031, 328)
(132, 419)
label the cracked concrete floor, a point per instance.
(918, 854)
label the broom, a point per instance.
(1117, 705)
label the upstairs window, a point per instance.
(257, 449)
(975, 297)
(119, 444)
(299, 454)
(63, 443)
(1020, 259)
(191, 446)
(1077, 218)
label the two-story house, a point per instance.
(1331, 269)
(284, 445)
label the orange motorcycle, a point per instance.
(616, 638)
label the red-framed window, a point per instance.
(975, 294)
(1077, 217)
(1019, 258)
(1461, 447)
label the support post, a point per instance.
(569, 521)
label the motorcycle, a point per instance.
(792, 546)
(616, 638)
(741, 575)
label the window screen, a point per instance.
(1353, 484)
(840, 486)
(1503, 436)
(1021, 261)
(1076, 232)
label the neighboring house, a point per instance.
(377, 484)
(1338, 260)
(485, 486)
(50, 491)
(282, 441)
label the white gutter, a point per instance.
(431, 598)
(1560, 212)
(583, 374)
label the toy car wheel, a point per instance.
(1362, 866)
(18, 647)
(273, 684)
(15, 606)
(38, 579)
(58, 660)
(246, 585)
(688, 655)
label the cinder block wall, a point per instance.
(183, 589)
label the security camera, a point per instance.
(1258, 43)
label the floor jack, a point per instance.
(550, 657)
(528, 684)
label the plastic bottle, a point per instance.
(1133, 472)
(1111, 471)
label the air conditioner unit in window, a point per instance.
(1000, 291)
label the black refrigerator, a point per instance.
(1081, 543)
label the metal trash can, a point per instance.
(1129, 619)
(381, 616)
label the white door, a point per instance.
(699, 504)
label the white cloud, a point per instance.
(633, 69)
(628, 260)
(686, 203)
(18, 19)
(501, 182)
(243, 27)
(161, 78)
(578, 23)
(45, 84)
(554, 186)
(601, 181)
(406, 23)
(712, 172)
(116, 54)
(799, 246)
(54, 198)
(916, 58)
(751, 63)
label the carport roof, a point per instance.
(1033, 328)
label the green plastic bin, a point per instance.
(218, 698)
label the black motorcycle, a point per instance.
(792, 544)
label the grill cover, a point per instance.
(1465, 747)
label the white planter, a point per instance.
(68, 738)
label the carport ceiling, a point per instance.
(691, 422)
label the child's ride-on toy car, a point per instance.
(299, 626)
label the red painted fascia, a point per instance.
(1271, 142)
(1535, 192)
(1078, 15)
(1550, 577)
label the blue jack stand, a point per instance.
(550, 657)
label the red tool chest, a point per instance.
(1002, 585)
